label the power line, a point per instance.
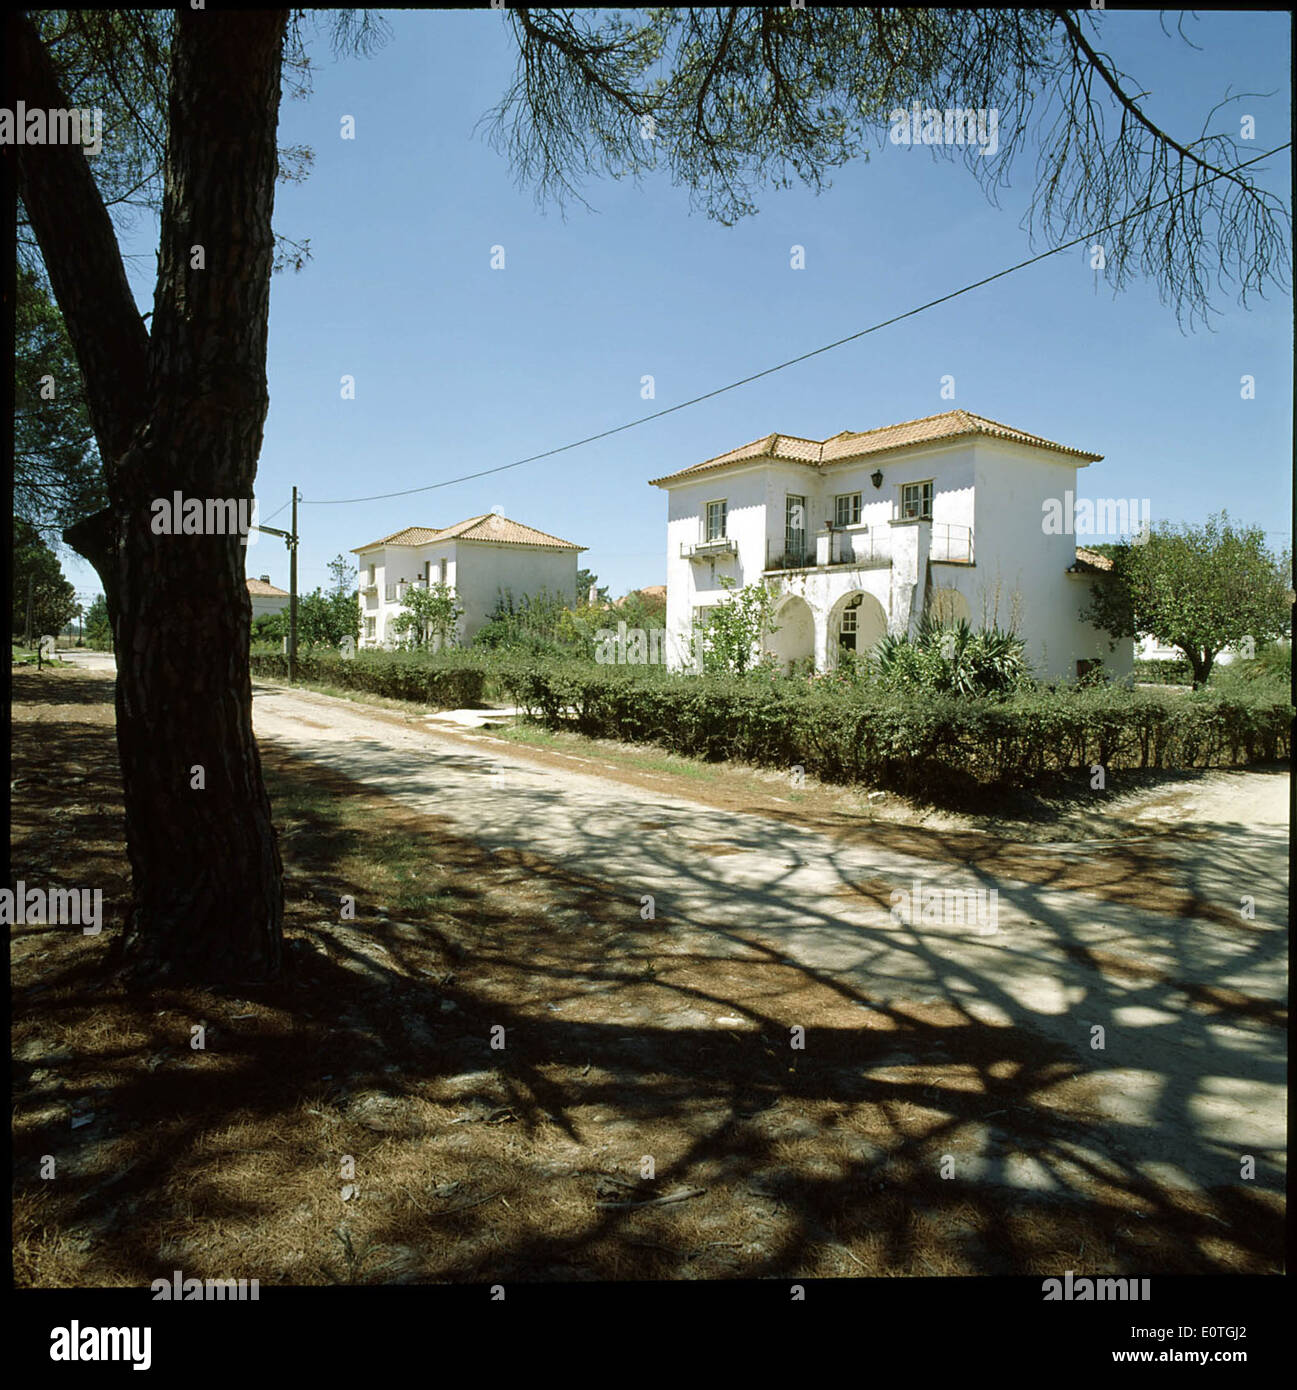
(793, 361)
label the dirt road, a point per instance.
(1177, 1019)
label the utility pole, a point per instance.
(290, 540)
(292, 596)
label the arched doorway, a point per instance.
(857, 622)
(794, 635)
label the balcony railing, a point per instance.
(952, 543)
(869, 547)
(791, 558)
(863, 549)
(706, 550)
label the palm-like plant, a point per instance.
(951, 659)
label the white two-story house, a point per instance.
(860, 534)
(483, 560)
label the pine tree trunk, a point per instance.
(181, 409)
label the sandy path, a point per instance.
(1187, 1090)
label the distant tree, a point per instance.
(324, 620)
(344, 576)
(585, 581)
(1198, 588)
(36, 570)
(270, 627)
(97, 629)
(637, 610)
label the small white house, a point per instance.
(861, 533)
(482, 560)
(266, 598)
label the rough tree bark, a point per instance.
(179, 409)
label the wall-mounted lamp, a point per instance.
(876, 477)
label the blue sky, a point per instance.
(460, 367)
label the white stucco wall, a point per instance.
(478, 571)
(995, 489)
(487, 569)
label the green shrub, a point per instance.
(450, 680)
(1271, 667)
(923, 744)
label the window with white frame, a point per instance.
(849, 625)
(715, 523)
(794, 529)
(916, 501)
(846, 509)
(369, 627)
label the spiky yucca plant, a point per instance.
(952, 659)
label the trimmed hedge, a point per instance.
(938, 747)
(448, 681)
(918, 745)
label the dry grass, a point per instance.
(624, 1040)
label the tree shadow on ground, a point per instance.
(622, 1039)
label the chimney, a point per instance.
(593, 596)
(265, 579)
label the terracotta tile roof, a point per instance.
(407, 535)
(487, 527)
(261, 589)
(848, 444)
(1090, 562)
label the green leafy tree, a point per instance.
(98, 631)
(57, 474)
(639, 611)
(732, 635)
(270, 627)
(36, 571)
(1198, 588)
(324, 620)
(430, 618)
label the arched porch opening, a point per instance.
(857, 622)
(794, 637)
